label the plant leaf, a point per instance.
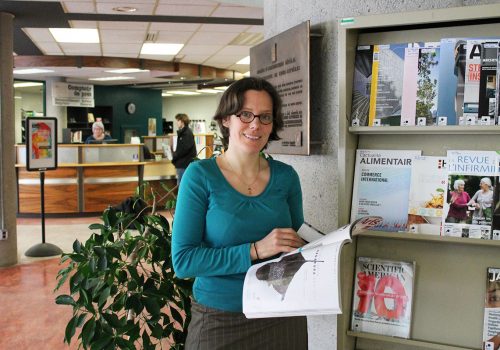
(65, 300)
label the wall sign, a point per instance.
(41, 143)
(75, 95)
(283, 60)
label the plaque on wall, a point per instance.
(283, 60)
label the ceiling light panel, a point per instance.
(127, 71)
(183, 93)
(75, 35)
(239, 12)
(160, 49)
(27, 84)
(209, 38)
(39, 34)
(112, 78)
(185, 10)
(32, 71)
(142, 8)
(122, 36)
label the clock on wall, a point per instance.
(130, 107)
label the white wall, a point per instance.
(199, 107)
(318, 172)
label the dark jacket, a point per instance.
(185, 150)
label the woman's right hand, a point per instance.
(279, 240)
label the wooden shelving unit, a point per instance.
(450, 279)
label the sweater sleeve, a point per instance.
(295, 201)
(191, 256)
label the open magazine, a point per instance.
(305, 281)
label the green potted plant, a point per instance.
(122, 286)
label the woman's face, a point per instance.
(97, 132)
(180, 124)
(460, 188)
(484, 186)
(250, 137)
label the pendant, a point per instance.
(249, 190)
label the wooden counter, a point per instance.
(81, 188)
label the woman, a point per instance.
(98, 134)
(185, 150)
(482, 201)
(232, 211)
(458, 203)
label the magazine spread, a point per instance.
(429, 177)
(383, 297)
(305, 281)
(382, 186)
(491, 325)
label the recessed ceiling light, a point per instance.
(18, 97)
(127, 70)
(244, 60)
(112, 78)
(27, 84)
(75, 35)
(209, 91)
(180, 92)
(127, 9)
(32, 71)
(166, 94)
(222, 88)
(160, 49)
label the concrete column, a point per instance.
(8, 194)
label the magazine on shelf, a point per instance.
(427, 85)
(488, 109)
(361, 85)
(383, 297)
(429, 177)
(387, 84)
(382, 185)
(470, 203)
(409, 98)
(305, 281)
(495, 224)
(491, 324)
(472, 77)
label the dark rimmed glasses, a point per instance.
(248, 117)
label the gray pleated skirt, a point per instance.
(212, 329)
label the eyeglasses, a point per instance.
(248, 117)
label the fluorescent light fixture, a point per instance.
(27, 84)
(166, 94)
(18, 97)
(160, 49)
(127, 70)
(32, 71)
(246, 74)
(112, 78)
(222, 88)
(181, 92)
(244, 60)
(209, 91)
(75, 35)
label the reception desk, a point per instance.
(88, 179)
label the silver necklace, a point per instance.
(248, 186)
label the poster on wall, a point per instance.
(283, 60)
(151, 126)
(41, 143)
(74, 95)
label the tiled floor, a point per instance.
(29, 317)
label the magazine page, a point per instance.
(491, 326)
(303, 282)
(383, 297)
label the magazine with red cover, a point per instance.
(491, 325)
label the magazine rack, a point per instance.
(450, 274)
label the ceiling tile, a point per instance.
(235, 51)
(206, 50)
(124, 25)
(184, 10)
(196, 59)
(238, 12)
(228, 28)
(81, 49)
(223, 59)
(128, 2)
(256, 29)
(158, 57)
(121, 54)
(188, 2)
(142, 8)
(79, 7)
(39, 34)
(177, 27)
(122, 48)
(122, 36)
(173, 37)
(49, 48)
(207, 38)
(83, 24)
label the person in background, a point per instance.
(98, 133)
(458, 203)
(482, 201)
(233, 211)
(185, 151)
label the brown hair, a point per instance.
(183, 118)
(233, 99)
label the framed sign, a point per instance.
(283, 60)
(41, 143)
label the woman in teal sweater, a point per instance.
(233, 211)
